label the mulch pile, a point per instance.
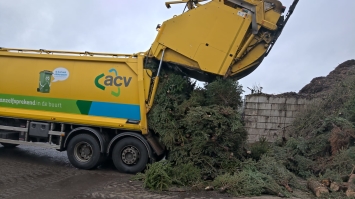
(320, 85)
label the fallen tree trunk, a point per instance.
(351, 189)
(317, 188)
(335, 187)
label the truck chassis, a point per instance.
(87, 147)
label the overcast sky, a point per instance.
(319, 36)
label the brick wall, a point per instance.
(268, 115)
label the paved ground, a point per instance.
(29, 172)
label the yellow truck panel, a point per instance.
(70, 89)
(228, 38)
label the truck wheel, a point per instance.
(84, 152)
(130, 155)
(7, 145)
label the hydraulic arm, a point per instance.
(228, 38)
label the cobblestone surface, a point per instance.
(29, 172)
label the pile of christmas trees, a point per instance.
(199, 126)
(203, 132)
(205, 137)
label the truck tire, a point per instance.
(84, 152)
(7, 145)
(130, 155)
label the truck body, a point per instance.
(49, 96)
(97, 91)
(95, 105)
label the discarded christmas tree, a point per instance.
(200, 126)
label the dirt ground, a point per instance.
(30, 172)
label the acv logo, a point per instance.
(110, 80)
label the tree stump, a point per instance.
(334, 187)
(317, 188)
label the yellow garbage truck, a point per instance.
(95, 105)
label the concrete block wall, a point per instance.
(268, 115)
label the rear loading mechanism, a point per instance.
(227, 38)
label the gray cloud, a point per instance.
(119, 26)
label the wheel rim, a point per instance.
(83, 151)
(130, 155)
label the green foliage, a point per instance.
(335, 195)
(268, 175)
(317, 155)
(294, 154)
(301, 165)
(204, 134)
(259, 148)
(157, 176)
(161, 175)
(212, 138)
(339, 101)
(348, 111)
(224, 92)
(199, 125)
(248, 182)
(186, 174)
(273, 167)
(341, 165)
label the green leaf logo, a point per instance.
(97, 84)
(102, 87)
